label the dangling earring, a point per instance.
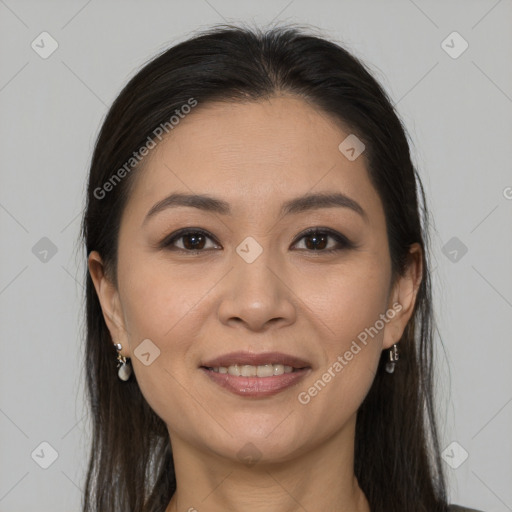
(124, 367)
(393, 358)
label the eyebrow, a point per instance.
(293, 206)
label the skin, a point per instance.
(291, 299)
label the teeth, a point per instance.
(247, 370)
(266, 370)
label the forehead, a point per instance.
(246, 153)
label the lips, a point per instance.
(288, 371)
(257, 387)
(250, 358)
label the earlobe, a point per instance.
(403, 297)
(109, 299)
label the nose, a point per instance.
(257, 295)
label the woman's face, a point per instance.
(254, 283)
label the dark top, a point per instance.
(458, 508)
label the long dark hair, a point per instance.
(397, 460)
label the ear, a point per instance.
(108, 296)
(403, 297)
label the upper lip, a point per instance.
(253, 359)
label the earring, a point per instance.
(393, 358)
(124, 367)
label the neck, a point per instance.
(319, 479)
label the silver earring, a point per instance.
(124, 367)
(393, 358)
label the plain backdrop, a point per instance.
(456, 103)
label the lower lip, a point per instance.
(256, 386)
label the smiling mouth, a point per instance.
(255, 382)
(248, 370)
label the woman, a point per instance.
(258, 263)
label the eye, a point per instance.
(316, 240)
(192, 240)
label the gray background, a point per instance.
(458, 114)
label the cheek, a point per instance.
(156, 297)
(167, 306)
(347, 302)
(352, 347)
(156, 307)
(348, 311)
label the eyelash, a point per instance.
(343, 242)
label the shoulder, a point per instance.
(458, 508)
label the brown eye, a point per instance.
(191, 240)
(317, 239)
